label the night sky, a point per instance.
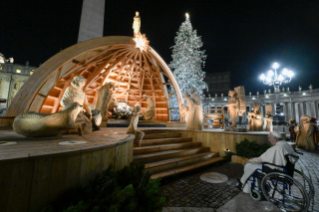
(244, 37)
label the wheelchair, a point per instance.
(289, 189)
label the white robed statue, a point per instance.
(194, 117)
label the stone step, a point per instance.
(158, 141)
(153, 131)
(156, 156)
(161, 135)
(173, 163)
(164, 147)
(186, 168)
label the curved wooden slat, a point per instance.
(113, 58)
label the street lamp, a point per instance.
(273, 79)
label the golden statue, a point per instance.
(136, 23)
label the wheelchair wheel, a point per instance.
(285, 192)
(256, 195)
(306, 182)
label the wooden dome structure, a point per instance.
(108, 59)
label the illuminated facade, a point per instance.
(12, 77)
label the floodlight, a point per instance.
(285, 71)
(275, 65)
(262, 77)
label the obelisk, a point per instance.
(92, 20)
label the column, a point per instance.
(301, 109)
(317, 109)
(263, 111)
(285, 111)
(308, 110)
(313, 109)
(273, 112)
(297, 112)
(289, 109)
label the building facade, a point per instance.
(295, 104)
(218, 83)
(12, 77)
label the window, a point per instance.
(18, 71)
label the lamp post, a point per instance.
(276, 80)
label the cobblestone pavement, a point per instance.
(192, 193)
(309, 164)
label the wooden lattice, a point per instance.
(109, 59)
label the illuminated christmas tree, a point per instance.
(187, 63)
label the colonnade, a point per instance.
(295, 104)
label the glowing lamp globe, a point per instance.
(270, 73)
(280, 78)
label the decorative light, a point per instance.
(273, 79)
(290, 74)
(285, 94)
(186, 14)
(141, 42)
(304, 93)
(281, 78)
(270, 73)
(266, 96)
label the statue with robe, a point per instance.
(255, 119)
(305, 130)
(103, 101)
(133, 126)
(149, 113)
(236, 107)
(88, 119)
(136, 24)
(268, 119)
(194, 115)
(232, 107)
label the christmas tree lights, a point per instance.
(187, 63)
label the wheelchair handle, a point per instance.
(294, 156)
(299, 152)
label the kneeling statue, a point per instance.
(88, 119)
(32, 124)
(133, 126)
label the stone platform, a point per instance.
(34, 171)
